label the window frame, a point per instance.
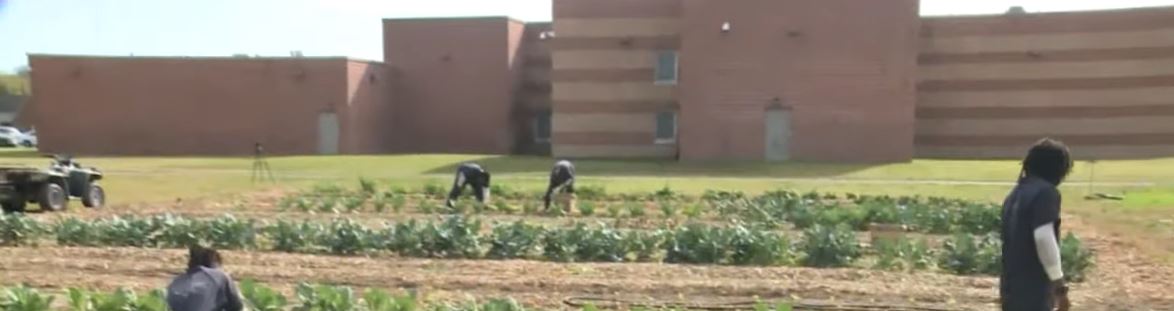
(534, 128)
(676, 67)
(656, 139)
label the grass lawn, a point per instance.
(1147, 211)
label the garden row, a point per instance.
(461, 237)
(258, 297)
(773, 209)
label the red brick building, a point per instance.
(830, 80)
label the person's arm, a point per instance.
(232, 296)
(1049, 251)
(457, 185)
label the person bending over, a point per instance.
(562, 179)
(471, 175)
(1032, 278)
(203, 287)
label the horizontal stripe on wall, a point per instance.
(1134, 139)
(566, 106)
(1053, 112)
(1017, 152)
(619, 91)
(1051, 42)
(604, 59)
(1045, 84)
(605, 122)
(603, 138)
(1101, 69)
(615, 8)
(616, 43)
(1048, 56)
(1049, 98)
(616, 27)
(1058, 22)
(603, 75)
(541, 62)
(613, 151)
(1026, 127)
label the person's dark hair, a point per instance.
(1049, 160)
(199, 256)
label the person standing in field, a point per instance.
(562, 179)
(471, 175)
(203, 287)
(1032, 278)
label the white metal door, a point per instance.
(778, 134)
(327, 133)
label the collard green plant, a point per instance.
(696, 244)
(516, 240)
(260, 297)
(759, 247)
(1075, 258)
(24, 298)
(346, 237)
(294, 237)
(75, 232)
(830, 246)
(228, 232)
(325, 298)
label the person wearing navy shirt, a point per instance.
(1032, 278)
(562, 179)
(469, 175)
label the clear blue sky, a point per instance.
(315, 27)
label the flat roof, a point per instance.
(129, 57)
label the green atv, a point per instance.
(50, 188)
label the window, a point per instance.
(666, 67)
(666, 127)
(542, 127)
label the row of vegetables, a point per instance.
(466, 238)
(775, 209)
(258, 297)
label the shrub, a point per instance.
(830, 246)
(1076, 258)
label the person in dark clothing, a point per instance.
(471, 175)
(562, 179)
(203, 287)
(1032, 278)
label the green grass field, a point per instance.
(15, 84)
(1148, 185)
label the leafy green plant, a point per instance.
(129, 231)
(261, 298)
(978, 218)
(380, 300)
(667, 208)
(179, 232)
(644, 244)
(18, 229)
(228, 232)
(435, 191)
(353, 204)
(428, 207)
(614, 210)
(24, 298)
(830, 246)
(963, 254)
(635, 209)
(75, 232)
(590, 192)
(328, 190)
(380, 201)
(288, 236)
(759, 247)
(693, 211)
(529, 208)
(328, 204)
(696, 243)
(325, 298)
(586, 208)
(665, 193)
(456, 237)
(398, 202)
(1077, 259)
(516, 240)
(345, 237)
(368, 187)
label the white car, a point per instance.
(12, 137)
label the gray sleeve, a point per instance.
(232, 297)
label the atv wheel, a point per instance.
(16, 206)
(52, 198)
(94, 197)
